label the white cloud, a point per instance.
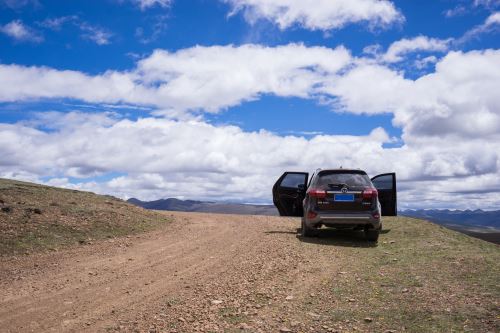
(464, 8)
(456, 11)
(459, 98)
(425, 62)
(208, 78)
(18, 31)
(153, 31)
(211, 78)
(175, 155)
(98, 35)
(42, 82)
(491, 24)
(146, 4)
(462, 90)
(56, 23)
(486, 3)
(94, 33)
(493, 19)
(159, 158)
(318, 14)
(400, 48)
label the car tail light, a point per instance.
(311, 214)
(376, 215)
(321, 194)
(370, 193)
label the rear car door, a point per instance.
(288, 193)
(387, 195)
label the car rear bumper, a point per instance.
(344, 220)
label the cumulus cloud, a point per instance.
(317, 14)
(222, 160)
(400, 48)
(459, 98)
(157, 158)
(462, 88)
(18, 31)
(211, 78)
(208, 78)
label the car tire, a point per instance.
(305, 231)
(372, 234)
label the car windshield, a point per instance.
(336, 178)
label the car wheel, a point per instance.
(372, 234)
(305, 231)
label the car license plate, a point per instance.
(343, 197)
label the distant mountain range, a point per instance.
(205, 206)
(473, 220)
(476, 223)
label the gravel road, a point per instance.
(203, 272)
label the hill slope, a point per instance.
(34, 217)
(239, 273)
(476, 223)
(206, 207)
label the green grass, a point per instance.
(441, 281)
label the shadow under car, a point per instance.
(339, 237)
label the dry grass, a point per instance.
(35, 217)
(420, 278)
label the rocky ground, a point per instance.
(229, 273)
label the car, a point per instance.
(337, 198)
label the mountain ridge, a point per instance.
(179, 205)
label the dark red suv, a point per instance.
(337, 198)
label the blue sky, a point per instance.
(214, 99)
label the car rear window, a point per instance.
(348, 178)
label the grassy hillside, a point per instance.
(35, 217)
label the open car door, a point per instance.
(289, 192)
(386, 187)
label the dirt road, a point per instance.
(203, 272)
(169, 278)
